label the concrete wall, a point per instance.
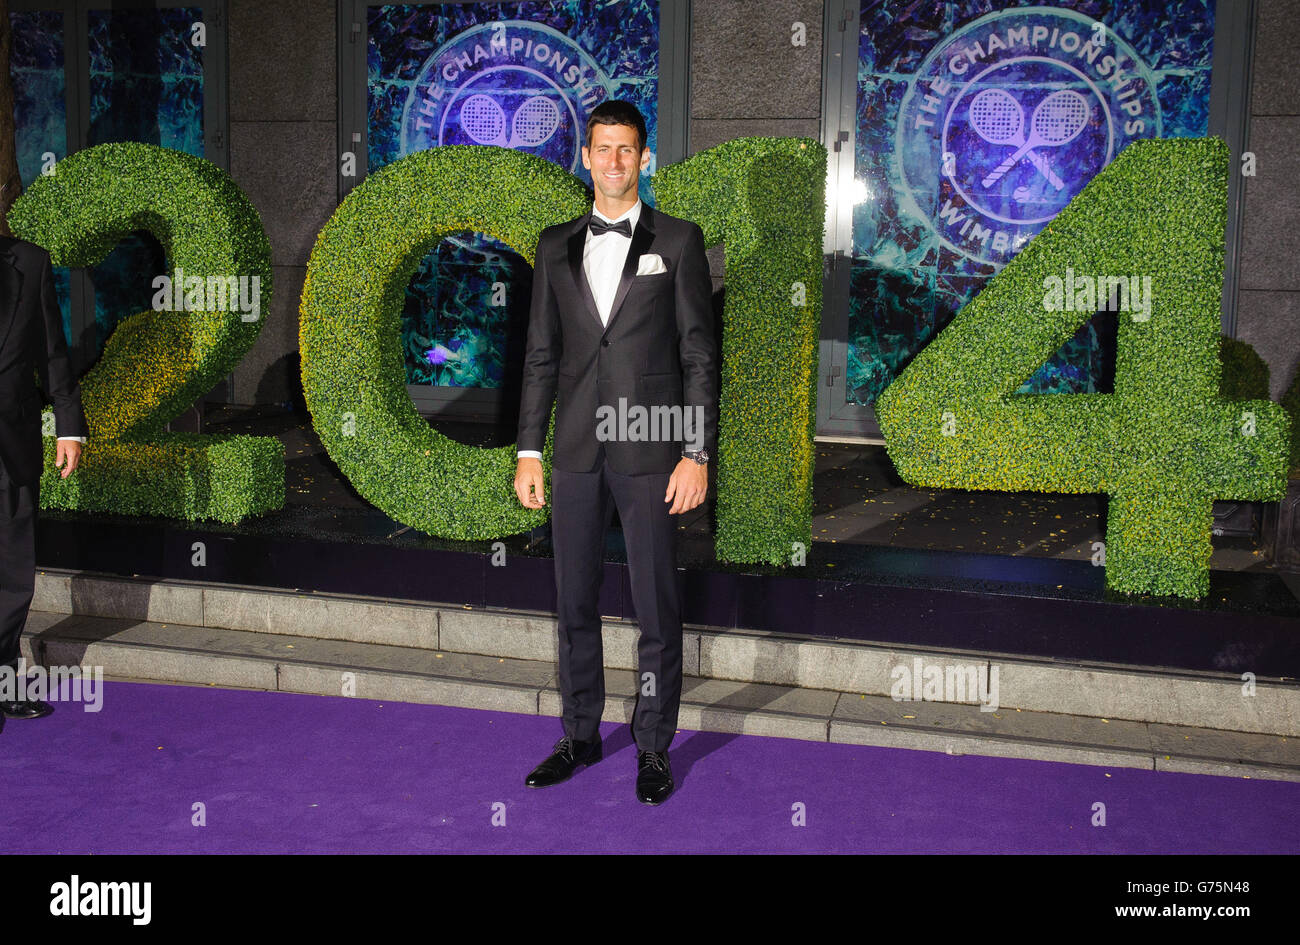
(746, 79)
(283, 116)
(1268, 308)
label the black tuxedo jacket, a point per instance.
(658, 349)
(32, 344)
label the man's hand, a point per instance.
(689, 483)
(68, 451)
(528, 482)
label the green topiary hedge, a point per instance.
(157, 363)
(353, 374)
(1165, 445)
(764, 199)
(762, 196)
(1291, 404)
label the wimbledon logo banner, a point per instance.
(1008, 118)
(511, 84)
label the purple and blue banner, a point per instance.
(976, 124)
(518, 75)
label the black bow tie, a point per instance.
(599, 226)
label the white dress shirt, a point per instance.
(603, 258)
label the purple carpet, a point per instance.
(277, 772)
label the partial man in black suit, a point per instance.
(31, 345)
(621, 321)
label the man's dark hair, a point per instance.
(616, 112)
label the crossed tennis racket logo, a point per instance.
(1057, 120)
(533, 123)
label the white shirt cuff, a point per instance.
(79, 439)
(533, 453)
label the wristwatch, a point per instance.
(699, 456)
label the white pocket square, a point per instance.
(649, 264)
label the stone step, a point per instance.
(125, 649)
(1209, 701)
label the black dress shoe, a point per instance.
(563, 761)
(27, 709)
(654, 778)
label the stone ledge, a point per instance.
(166, 653)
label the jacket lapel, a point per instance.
(11, 284)
(577, 242)
(642, 237)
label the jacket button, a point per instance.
(604, 342)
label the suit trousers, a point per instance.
(582, 506)
(18, 506)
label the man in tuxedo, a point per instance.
(620, 316)
(31, 345)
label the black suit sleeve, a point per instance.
(541, 359)
(53, 364)
(697, 347)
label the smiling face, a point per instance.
(615, 163)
